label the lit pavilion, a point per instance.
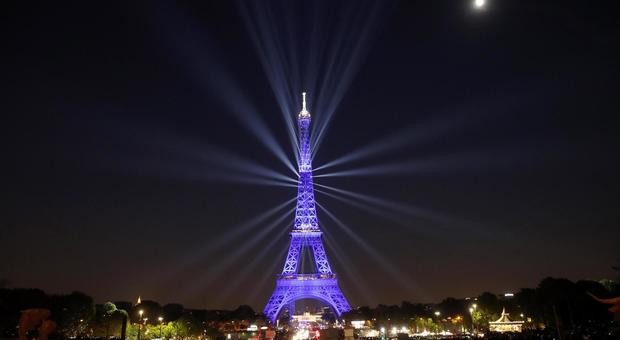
(504, 324)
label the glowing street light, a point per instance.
(471, 311)
(140, 312)
(161, 322)
(479, 3)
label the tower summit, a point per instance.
(322, 283)
(304, 112)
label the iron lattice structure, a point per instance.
(322, 284)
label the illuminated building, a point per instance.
(322, 284)
(504, 324)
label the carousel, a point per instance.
(504, 324)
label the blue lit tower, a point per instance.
(322, 283)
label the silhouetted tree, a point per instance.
(13, 301)
(586, 309)
(151, 311)
(172, 311)
(415, 310)
(552, 295)
(125, 305)
(525, 302)
(243, 312)
(451, 307)
(108, 320)
(188, 326)
(72, 313)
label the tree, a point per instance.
(364, 313)
(488, 310)
(586, 309)
(489, 303)
(108, 320)
(426, 324)
(13, 301)
(415, 310)
(525, 300)
(553, 296)
(612, 286)
(72, 313)
(452, 307)
(172, 311)
(214, 333)
(125, 305)
(243, 312)
(109, 307)
(477, 319)
(151, 311)
(187, 326)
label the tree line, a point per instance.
(557, 304)
(77, 316)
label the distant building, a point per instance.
(504, 324)
(307, 317)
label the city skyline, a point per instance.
(149, 150)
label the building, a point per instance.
(306, 236)
(504, 324)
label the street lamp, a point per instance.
(437, 314)
(140, 312)
(161, 322)
(471, 312)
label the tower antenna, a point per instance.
(304, 102)
(304, 111)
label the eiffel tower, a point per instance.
(322, 283)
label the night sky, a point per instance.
(127, 128)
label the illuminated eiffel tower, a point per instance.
(322, 284)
